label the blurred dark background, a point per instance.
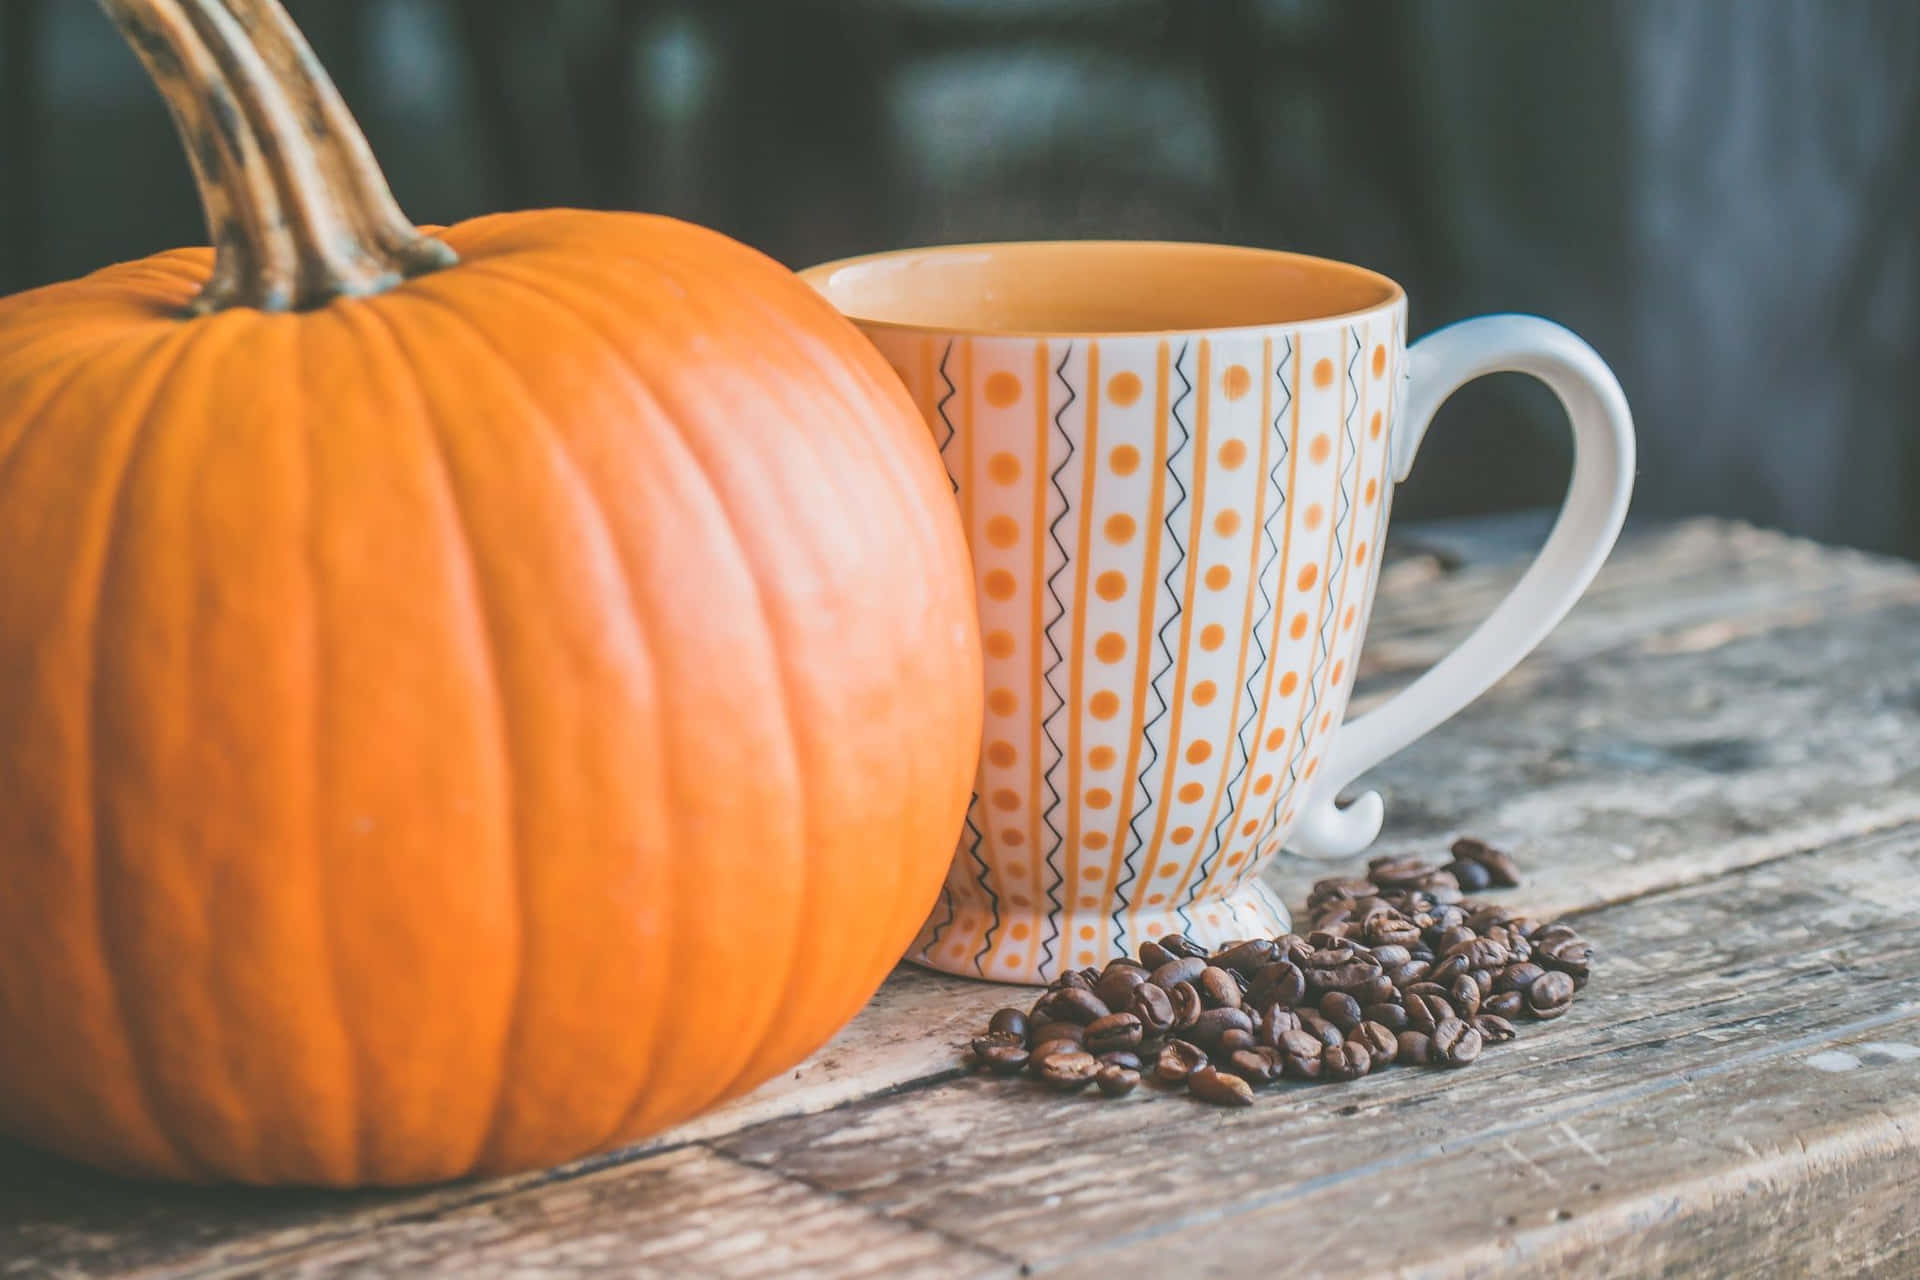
(1723, 196)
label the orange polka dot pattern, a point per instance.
(1168, 535)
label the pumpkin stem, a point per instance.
(298, 210)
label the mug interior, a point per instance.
(1095, 288)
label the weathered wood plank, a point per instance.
(1689, 586)
(1717, 728)
(1711, 1001)
(685, 1212)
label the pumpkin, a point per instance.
(466, 700)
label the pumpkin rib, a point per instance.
(596, 504)
(430, 416)
(117, 985)
(495, 268)
(39, 414)
(647, 393)
(322, 881)
(875, 451)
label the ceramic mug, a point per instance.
(1174, 464)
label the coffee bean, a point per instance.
(1504, 1004)
(1393, 930)
(1072, 1004)
(1067, 1072)
(1275, 1022)
(1519, 950)
(1341, 1009)
(1001, 1052)
(1454, 1044)
(1115, 1031)
(1220, 1088)
(1040, 1032)
(1300, 1055)
(1174, 972)
(1042, 1054)
(1502, 872)
(1479, 953)
(1255, 1066)
(1378, 1039)
(1115, 988)
(1424, 1013)
(1404, 976)
(1517, 977)
(1234, 1038)
(1338, 890)
(1347, 1061)
(1321, 1029)
(1282, 980)
(1570, 956)
(1153, 1007)
(1247, 957)
(1187, 1005)
(1470, 876)
(1352, 975)
(1398, 873)
(1178, 1059)
(1116, 1081)
(1550, 995)
(1415, 1048)
(1389, 1014)
(1445, 971)
(1375, 989)
(1206, 1028)
(1398, 968)
(1012, 1020)
(1494, 1029)
(1217, 988)
(1391, 956)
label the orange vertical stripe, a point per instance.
(1304, 731)
(1036, 797)
(1280, 600)
(1077, 655)
(966, 439)
(1171, 758)
(929, 410)
(1246, 635)
(1143, 659)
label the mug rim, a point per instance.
(1391, 294)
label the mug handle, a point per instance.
(1589, 521)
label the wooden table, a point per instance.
(1714, 764)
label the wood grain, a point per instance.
(1719, 743)
(1687, 1062)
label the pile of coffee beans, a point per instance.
(1398, 967)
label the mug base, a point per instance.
(974, 940)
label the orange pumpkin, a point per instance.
(464, 701)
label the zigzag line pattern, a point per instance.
(1056, 861)
(1275, 521)
(1135, 838)
(941, 409)
(1336, 560)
